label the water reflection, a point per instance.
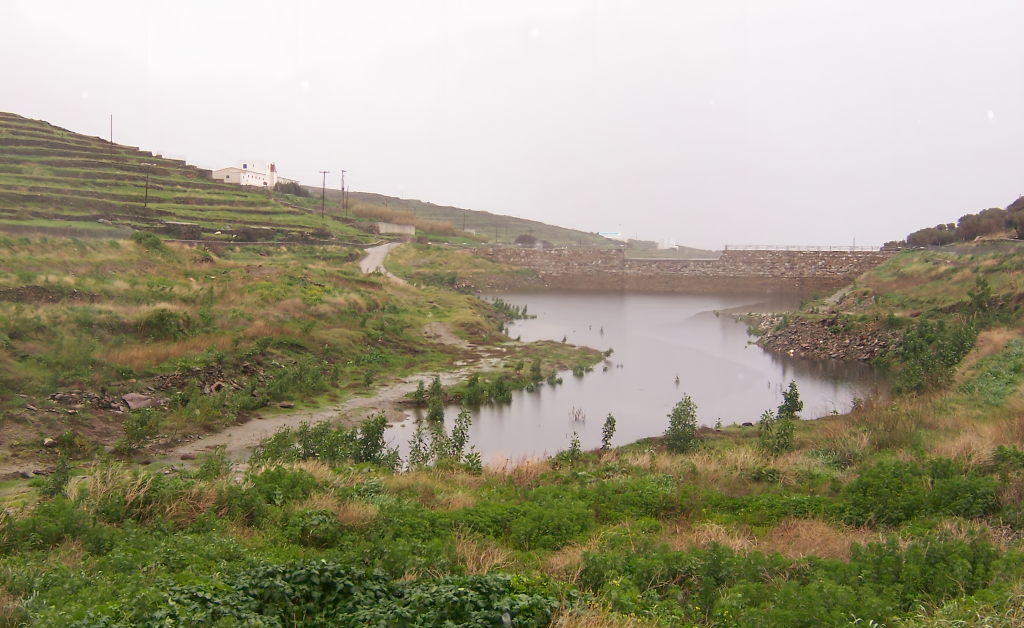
(656, 339)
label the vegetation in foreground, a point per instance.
(905, 512)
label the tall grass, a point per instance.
(438, 227)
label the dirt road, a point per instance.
(374, 260)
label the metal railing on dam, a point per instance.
(788, 247)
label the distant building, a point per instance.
(612, 235)
(256, 173)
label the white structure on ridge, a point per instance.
(257, 173)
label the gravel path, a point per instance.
(374, 260)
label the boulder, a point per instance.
(136, 401)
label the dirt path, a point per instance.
(374, 260)
(241, 439)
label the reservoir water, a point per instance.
(655, 339)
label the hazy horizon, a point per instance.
(707, 123)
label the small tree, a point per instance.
(535, 373)
(607, 432)
(681, 435)
(420, 394)
(775, 434)
(435, 401)
(791, 404)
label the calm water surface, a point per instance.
(655, 338)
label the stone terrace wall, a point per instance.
(735, 271)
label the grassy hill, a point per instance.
(55, 180)
(482, 222)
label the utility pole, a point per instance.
(323, 194)
(343, 205)
(145, 203)
(463, 219)
(111, 134)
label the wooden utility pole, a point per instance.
(145, 203)
(344, 206)
(111, 134)
(323, 194)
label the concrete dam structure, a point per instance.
(789, 271)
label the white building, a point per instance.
(257, 173)
(613, 235)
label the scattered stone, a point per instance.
(187, 456)
(30, 406)
(146, 462)
(286, 404)
(26, 474)
(108, 449)
(136, 401)
(49, 442)
(23, 396)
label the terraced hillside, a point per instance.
(52, 179)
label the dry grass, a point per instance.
(69, 553)
(260, 328)
(989, 342)
(439, 227)
(457, 501)
(796, 538)
(480, 556)
(350, 514)
(523, 472)
(141, 356)
(567, 563)
(12, 613)
(1002, 537)
(595, 617)
(705, 533)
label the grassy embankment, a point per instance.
(457, 269)
(298, 324)
(906, 512)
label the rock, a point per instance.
(747, 424)
(49, 442)
(108, 449)
(187, 456)
(136, 401)
(30, 406)
(286, 404)
(26, 474)
(146, 462)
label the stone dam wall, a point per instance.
(735, 271)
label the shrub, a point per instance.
(314, 528)
(148, 241)
(138, 426)
(775, 434)
(681, 435)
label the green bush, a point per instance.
(148, 241)
(314, 528)
(892, 492)
(681, 435)
(139, 426)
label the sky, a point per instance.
(708, 123)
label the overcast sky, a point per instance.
(711, 123)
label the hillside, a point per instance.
(56, 181)
(482, 222)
